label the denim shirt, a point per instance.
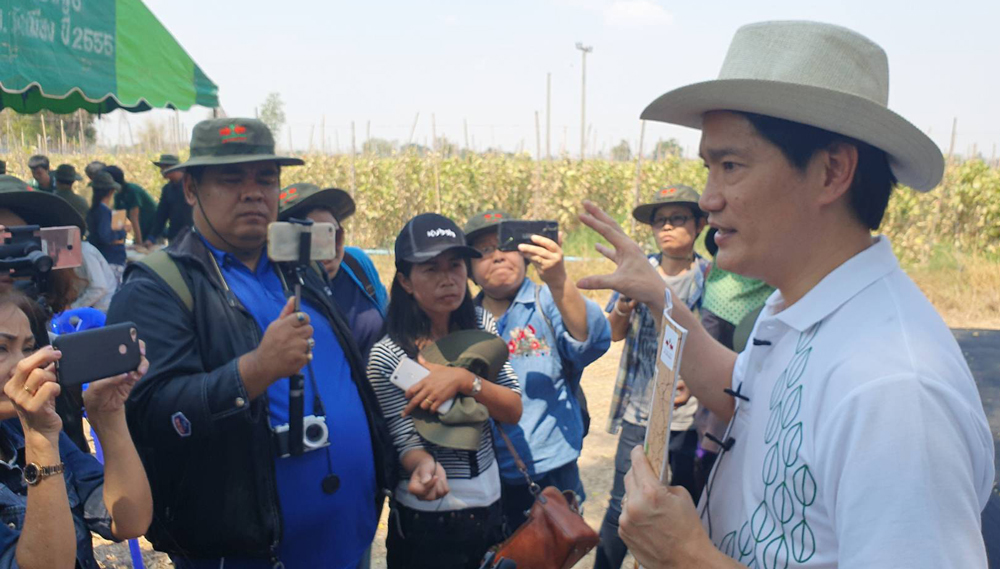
(84, 486)
(550, 432)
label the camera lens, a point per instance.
(315, 434)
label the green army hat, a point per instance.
(67, 173)
(217, 142)
(483, 354)
(37, 208)
(675, 194)
(299, 199)
(484, 222)
(167, 160)
(103, 180)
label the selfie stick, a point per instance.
(297, 382)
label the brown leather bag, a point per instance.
(555, 535)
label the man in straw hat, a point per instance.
(857, 437)
(224, 338)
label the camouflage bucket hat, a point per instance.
(669, 195)
(103, 180)
(67, 173)
(299, 199)
(167, 160)
(37, 208)
(483, 223)
(217, 142)
(480, 352)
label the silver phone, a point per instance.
(283, 239)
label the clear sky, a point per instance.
(486, 63)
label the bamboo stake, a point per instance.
(353, 167)
(44, 146)
(413, 129)
(638, 176)
(538, 138)
(62, 137)
(437, 166)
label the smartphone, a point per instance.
(96, 354)
(513, 233)
(408, 373)
(118, 218)
(283, 239)
(23, 244)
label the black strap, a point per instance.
(359, 272)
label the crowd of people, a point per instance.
(818, 395)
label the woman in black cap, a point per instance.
(446, 510)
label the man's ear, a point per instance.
(839, 163)
(190, 189)
(404, 282)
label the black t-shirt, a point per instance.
(359, 311)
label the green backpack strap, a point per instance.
(166, 268)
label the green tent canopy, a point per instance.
(95, 55)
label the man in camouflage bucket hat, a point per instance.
(226, 342)
(66, 177)
(356, 285)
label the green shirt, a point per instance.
(732, 297)
(78, 203)
(133, 195)
(51, 188)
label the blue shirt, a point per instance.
(84, 487)
(364, 313)
(103, 237)
(320, 530)
(550, 432)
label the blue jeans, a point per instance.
(517, 498)
(612, 550)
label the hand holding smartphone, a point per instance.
(97, 354)
(409, 373)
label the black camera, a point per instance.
(22, 254)
(315, 435)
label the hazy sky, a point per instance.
(486, 62)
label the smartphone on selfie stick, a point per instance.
(299, 241)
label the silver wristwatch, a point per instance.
(477, 385)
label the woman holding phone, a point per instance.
(446, 511)
(53, 494)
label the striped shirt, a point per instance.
(458, 464)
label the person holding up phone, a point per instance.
(553, 333)
(446, 511)
(109, 239)
(53, 494)
(209, 418)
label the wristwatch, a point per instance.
(477, 385)
(33, 474)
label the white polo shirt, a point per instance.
(864, 443)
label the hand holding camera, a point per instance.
(547, 256)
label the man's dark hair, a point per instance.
(406, 322)
(116, 174)
(38, 161)
(873, 179)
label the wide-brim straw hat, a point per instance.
(815, 74)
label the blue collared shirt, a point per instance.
(550, 432)
(320, 530)
(84, 487)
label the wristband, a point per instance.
(619, 312)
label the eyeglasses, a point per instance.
(674, 221)
(486, 250)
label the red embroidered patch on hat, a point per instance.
(287, 195)
(233, 133)
(492, 216)
(666, 191)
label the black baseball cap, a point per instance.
(428, 235)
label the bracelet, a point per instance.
(619, 312)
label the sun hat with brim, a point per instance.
(428, 235)
(671, 195)
(67, 173)
(218, 142)
(484, 222)
(103, 180)
(299, 199)
(167, 160)
(37, 208)
(480, 352)
(815, 74)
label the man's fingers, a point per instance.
(546, 243)
(596, 282)
(608, 252)
(289, 308)
(641, 468)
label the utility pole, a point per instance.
(548, 116)
(584, 50)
